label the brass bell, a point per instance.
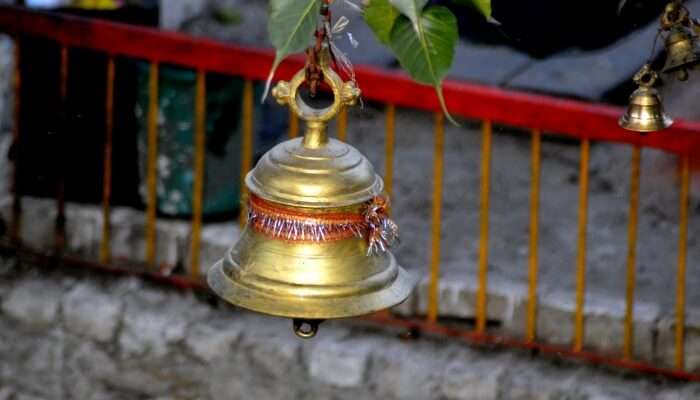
(645, 112)
(682, 53)
(316, 243)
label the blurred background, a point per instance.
(134, 332)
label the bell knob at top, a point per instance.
(674, 15)
(316, 245)
(645, 112)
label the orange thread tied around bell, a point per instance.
(290, 224)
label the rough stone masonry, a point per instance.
(66, 334)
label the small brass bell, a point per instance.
(682, 53)
(645, 112)
(316, 243)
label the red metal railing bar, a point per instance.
(568, 117)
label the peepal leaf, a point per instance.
(291, 27)
(425, 48)
(380, 16)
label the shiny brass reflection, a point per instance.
(645, 112)
(310, 281)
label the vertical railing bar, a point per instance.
(16, 223)
(60, 227)
(247, 146)
(579, 318)
(200, 110)
(152, 165)
(438, 166)
(482, 295)
(632, 230)
(389, 145)
(105, 245)
(293, 124)
(682, 263)
(533, 273)
(343, 125)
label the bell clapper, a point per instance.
(306, 328)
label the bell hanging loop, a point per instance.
(345, 94)
(675, 14)
(318, 240)
(645, 112)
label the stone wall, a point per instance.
(68, 335)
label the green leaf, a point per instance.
(380, 16)
(425, 48)
(484, 6)
(291, 27)
(410, 8)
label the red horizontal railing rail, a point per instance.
(572, 118)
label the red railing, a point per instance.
(537, 113)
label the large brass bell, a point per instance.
(682, 53)
(645, 112)
(316, 243)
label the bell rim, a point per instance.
(361, 304)
(628, 124)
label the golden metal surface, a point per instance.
(152, 166)
(435, 232)
(293, 125)
(682, 53)
(682, 263)
(315, 171)
(324, 280)
(389, 145)
(485, 200)
(247, 145)
(343, 125)
(533, 258)
(645, 112)
(311, 280)
(579, 318)
(628, 346)
(200, 114)
(106, 243)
